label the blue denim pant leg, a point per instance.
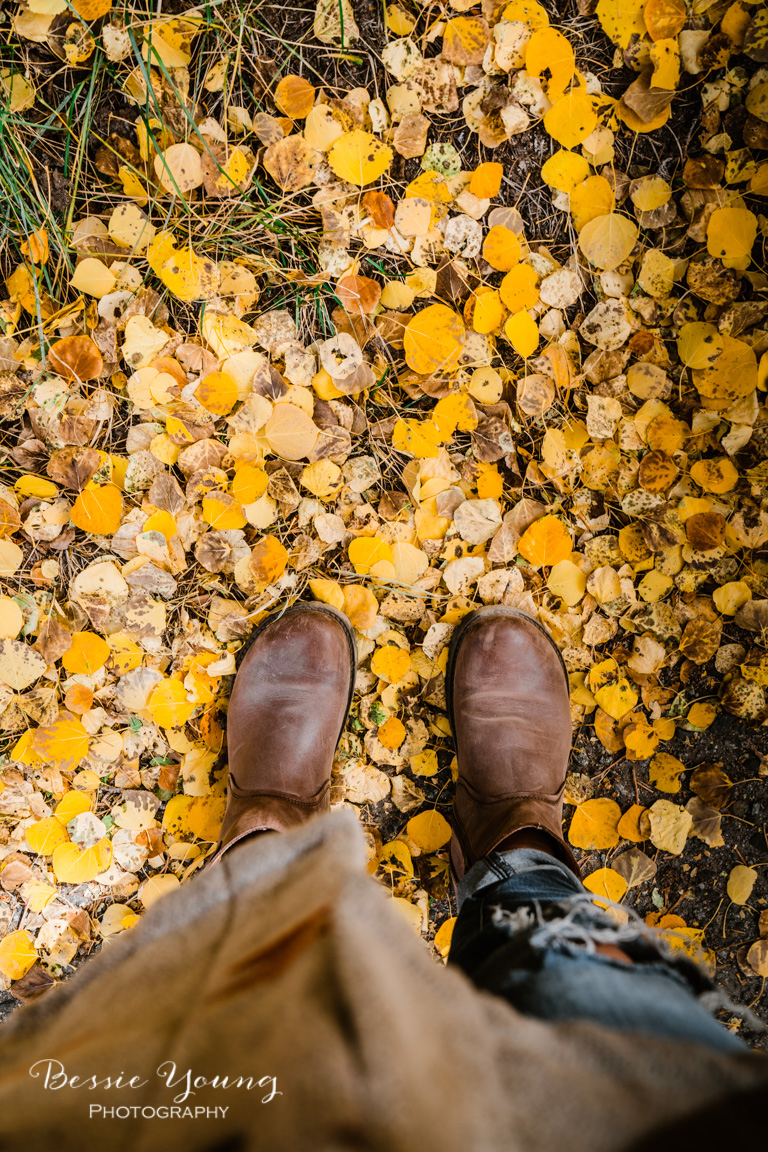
(527, 930)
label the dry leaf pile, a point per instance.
(284, 340)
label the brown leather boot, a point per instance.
(508, 703)
(286, 715)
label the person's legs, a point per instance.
(527, 929)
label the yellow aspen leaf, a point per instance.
(409, 561)
(434, 340)
(410, 912)
(571, 118)
(188, 276)
(640, 740)
(36, 244)
(546, 542)
(444, 936)
(428, 831)
(98, 510)
(567, 581)
(528, 12)
(154, 888)
(11, 618)
(217, 393)
(650, 192)
(518, 289)
(424, 763)
(323, 479)
(741, 881)
(222, 511)
(87, 654)
(730, 597)
(419, 438)
(249, 483)
(664, 772)
(621, 20)
(390, 663)
(79, 699)
(205, 817)
(168, 704)
(665, 58)
(73, 865)
(549, 51)
(359, 157)
(606, 882)
(93, 278)
(664, 18)
(490, 483)
(39, 895)
(757, 958)
(36, 486)
(732, 376)
(268, 561)
(731, 233)
(522, 331)
(360, 605)
(455, 411)
(501, 248)
(465, 40)
(488, 312)
(718, 475)
(616, 699)
(592, 198)
(629, 825)
(699, 344)
(395, 859)
(328, 592)
(485, 182)
(295, 97)
(46, 835)
(701, 715)
(179, 169)
(608, 240)
(391, 733)
(757, 100)
(72, 805)
(595, 825)
(17, 954)
(670, 826)
(564, 171)
(125, 653)
(175, 820)
(63, 743)
(634, 122)
(290, 432)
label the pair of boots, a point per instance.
(508, 703)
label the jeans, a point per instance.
(527, 930)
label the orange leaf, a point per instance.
(547, 541)
(63, 743)
(268, 561)
(87, 654)
(361, 606)
(76, 358)
(98, 510)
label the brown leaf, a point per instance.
(291, 163)
(706, 822)
(712, 785)
(74, 467)
(634, 866)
